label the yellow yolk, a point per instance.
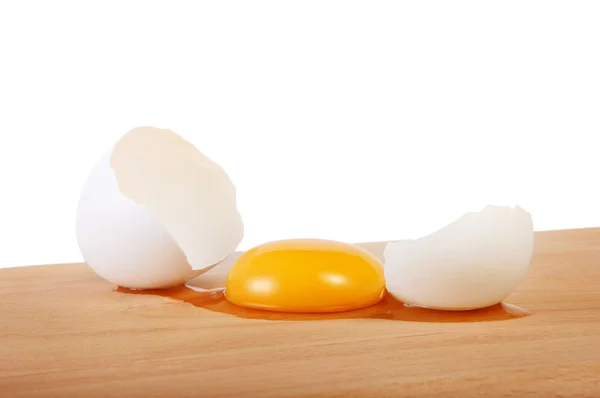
(306, 275)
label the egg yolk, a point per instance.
(306, 275)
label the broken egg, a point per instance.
(306, 275)
(155, 212)
(474, 262)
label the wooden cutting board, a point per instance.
(64, 332)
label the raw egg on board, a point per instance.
(306, 275)
(155, 212)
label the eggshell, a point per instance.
(474, 262)
(137, 241)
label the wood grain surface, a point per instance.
(64, 332)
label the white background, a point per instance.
(356, 121)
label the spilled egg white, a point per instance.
(474, 262)
(155, 212)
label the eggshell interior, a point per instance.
(189, 194)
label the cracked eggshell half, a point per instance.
(155, 212)
(474, 262)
